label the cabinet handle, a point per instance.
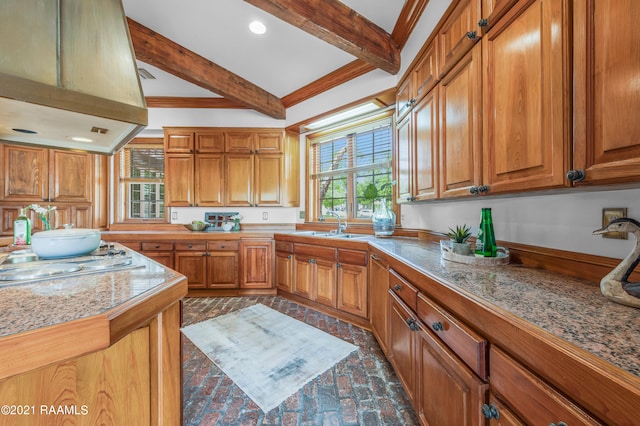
(374, 257)
(483, 188)
(204, 254)
(311, 261)
(397, 287)
(576, 175)
(338, 265)
(558, 424)
(257, 151)
(483, 23)
(250, 151)
(412, 324)
(157, 246)
(190, 246)
(408, 198)
(289, 257)
(473, 190)
(490, 411)
(471, 35)
(222, 246)
(437, 326)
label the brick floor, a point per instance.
(362, 389)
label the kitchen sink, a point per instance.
(327, 234)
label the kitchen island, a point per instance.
(101, 348)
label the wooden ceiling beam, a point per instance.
(190, 102)
(159, 51)
(339, 25)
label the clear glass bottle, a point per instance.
(22, 229)
(486, 240)
(383, 219)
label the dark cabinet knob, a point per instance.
(190, 246)
(312, 261)
(483, 189)
(471, 35)
(483, 23)
(437, 326)
(289, 257)
(222, 246)
(397, 287)
(338, 265)
(157, 246)
(412, 324)
(490, 411)
(374, 257)
(473, 190)
(576, 175)
(204, 254)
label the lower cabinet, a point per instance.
(379, 299)
(256, 265)
(315, 279)
(401, 341)
(208, 264)
(284, 266)
(352, 282)
(161, 252)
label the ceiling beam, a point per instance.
(190, 102)
(157, 50)
(339, 25)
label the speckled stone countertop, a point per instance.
(571, 309)
(26, 307)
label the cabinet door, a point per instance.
(268, 143)
(291, 171)
(458, 34)
(352, 289)
(492, 11)
(209, 180)
(379, 299)
(304, 270)
(239, 142)
(178, 182)
(26, 173)
(267, 181)
(284, 271)
(404, 167)
(178, 141)
(70, 176)
(401, 344)
(239, 178)
(425, 74)
(449, 393)
(425, 147)
(606, 101)
(460, 99)
(256, 264)
(209, 141)
(193, 265)
(325, 280)
(163, 258)
(222, 269)
(404, 97)
(527, 127)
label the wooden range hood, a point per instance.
(67, 70)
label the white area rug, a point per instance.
(269, 355)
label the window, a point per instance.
(141, 181)
(343, 164)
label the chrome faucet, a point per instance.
(341, 226)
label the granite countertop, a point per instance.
(572, 309)
(30, 306)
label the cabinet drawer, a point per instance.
(160, 245)
(316, 252)
(133, 245)
(284, 246)
(353, 257)
(529, 397)
(223, 245)
(195, 246)
(405, 291)
(470, 347)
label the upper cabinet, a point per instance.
(231, 167)
(42, 175)
(606, 103)
(459, 33)
(526, 94)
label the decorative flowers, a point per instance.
(44, 213)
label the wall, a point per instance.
(562, 221)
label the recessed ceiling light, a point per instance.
(257, 27)
(81, 139)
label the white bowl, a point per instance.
(65, 242)
(227, 226)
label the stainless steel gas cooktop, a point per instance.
(25, 265)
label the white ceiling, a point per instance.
(281, 61)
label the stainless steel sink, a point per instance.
(346, 235)
(327, 234)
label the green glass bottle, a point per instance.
(486, 240)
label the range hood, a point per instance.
(68, 76)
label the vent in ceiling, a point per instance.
(145, 75)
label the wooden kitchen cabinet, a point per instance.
(352, 282)
(417, 152)
(253, 179)
(460, 136)
(304, 284)
(179, 180)
(447, 391)
(284, 266)
(458, 34)
(527, 96)
(379, 299)
(606, 66)
(419, 81)
(401, 344)
(161, 252)
(209, 180)
(529, 397)
(208, 265)
(256, 263)
(38, 175)
(492, 11)
(315, 274)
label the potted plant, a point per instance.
(459, 238)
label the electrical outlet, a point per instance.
(301, 214)
(174, 215)
(265, 215)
